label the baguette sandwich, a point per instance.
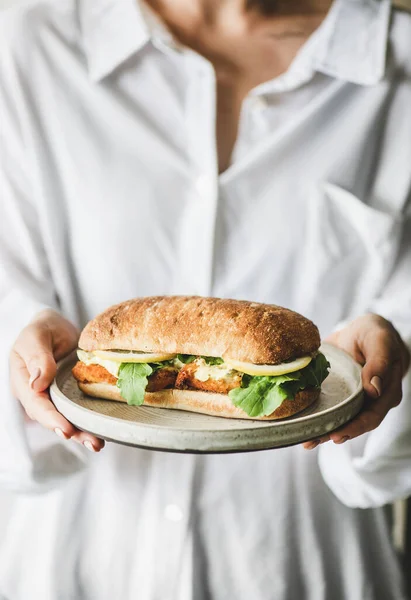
(227, 358)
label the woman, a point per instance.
(243, 149)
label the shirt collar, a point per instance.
(350, 44)
(353, 41)
(112, 32)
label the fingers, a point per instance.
(36, 404)
(374, 343)
(39, 407)
(34, 346)
(382, 350)
(373, 413)
(32, 370)
(405, 354)
(62, 334)
(311, 444)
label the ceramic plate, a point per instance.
(340, 400)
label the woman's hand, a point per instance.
(374, 343)
(47, 339)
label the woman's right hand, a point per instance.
(46, 340)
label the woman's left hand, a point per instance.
(374, 343)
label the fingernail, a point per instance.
(342, 440)
(89, 446)
(34, 376)
(377, 384)
(313, 444)
(60, 433)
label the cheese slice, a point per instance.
(111, 361)
(88, 358)
(269, 370)
(133, 357)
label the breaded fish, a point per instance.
(187, 380)
(159, 380)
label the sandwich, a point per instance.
(221, 357)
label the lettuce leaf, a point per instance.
(316, 371)
(133, 377)
(189, 358)
(257, 396)
(132, 381)
(260, 396)
(186, 358)
(212, 360)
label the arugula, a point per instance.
(186, 358)
(189, 358)
(160, 365)
(212, 360)
(133, 377)
(132, 381)
(316, 371)
(257, 396)
(260, 396)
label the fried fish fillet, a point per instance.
(186, 379)
(159, 380)
(92, 374)
(162, 379)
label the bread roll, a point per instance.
(217, 405)
(240, 330)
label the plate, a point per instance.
(340, 400)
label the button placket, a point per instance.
(173, 512)
(198, 224)
(176, 490)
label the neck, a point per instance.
(191, 16)
(249, 41)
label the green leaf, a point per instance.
(315, 373)
(212, 360)
(260, 396)
(132, 382)
(189, 358)
(160, 365)
(186, 358)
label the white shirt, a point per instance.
(110, 190)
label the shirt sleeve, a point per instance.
(32, 459)
(375, 469)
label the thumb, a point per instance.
(381, 352)
(35, 347)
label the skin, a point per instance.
(246, 48)
(46, 340)
(374, 343)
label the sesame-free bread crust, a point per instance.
(236, 329)
(208, 403)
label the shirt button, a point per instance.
(172, 512)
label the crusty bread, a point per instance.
(241, 330)
(217, 405)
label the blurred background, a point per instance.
(401, 510)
